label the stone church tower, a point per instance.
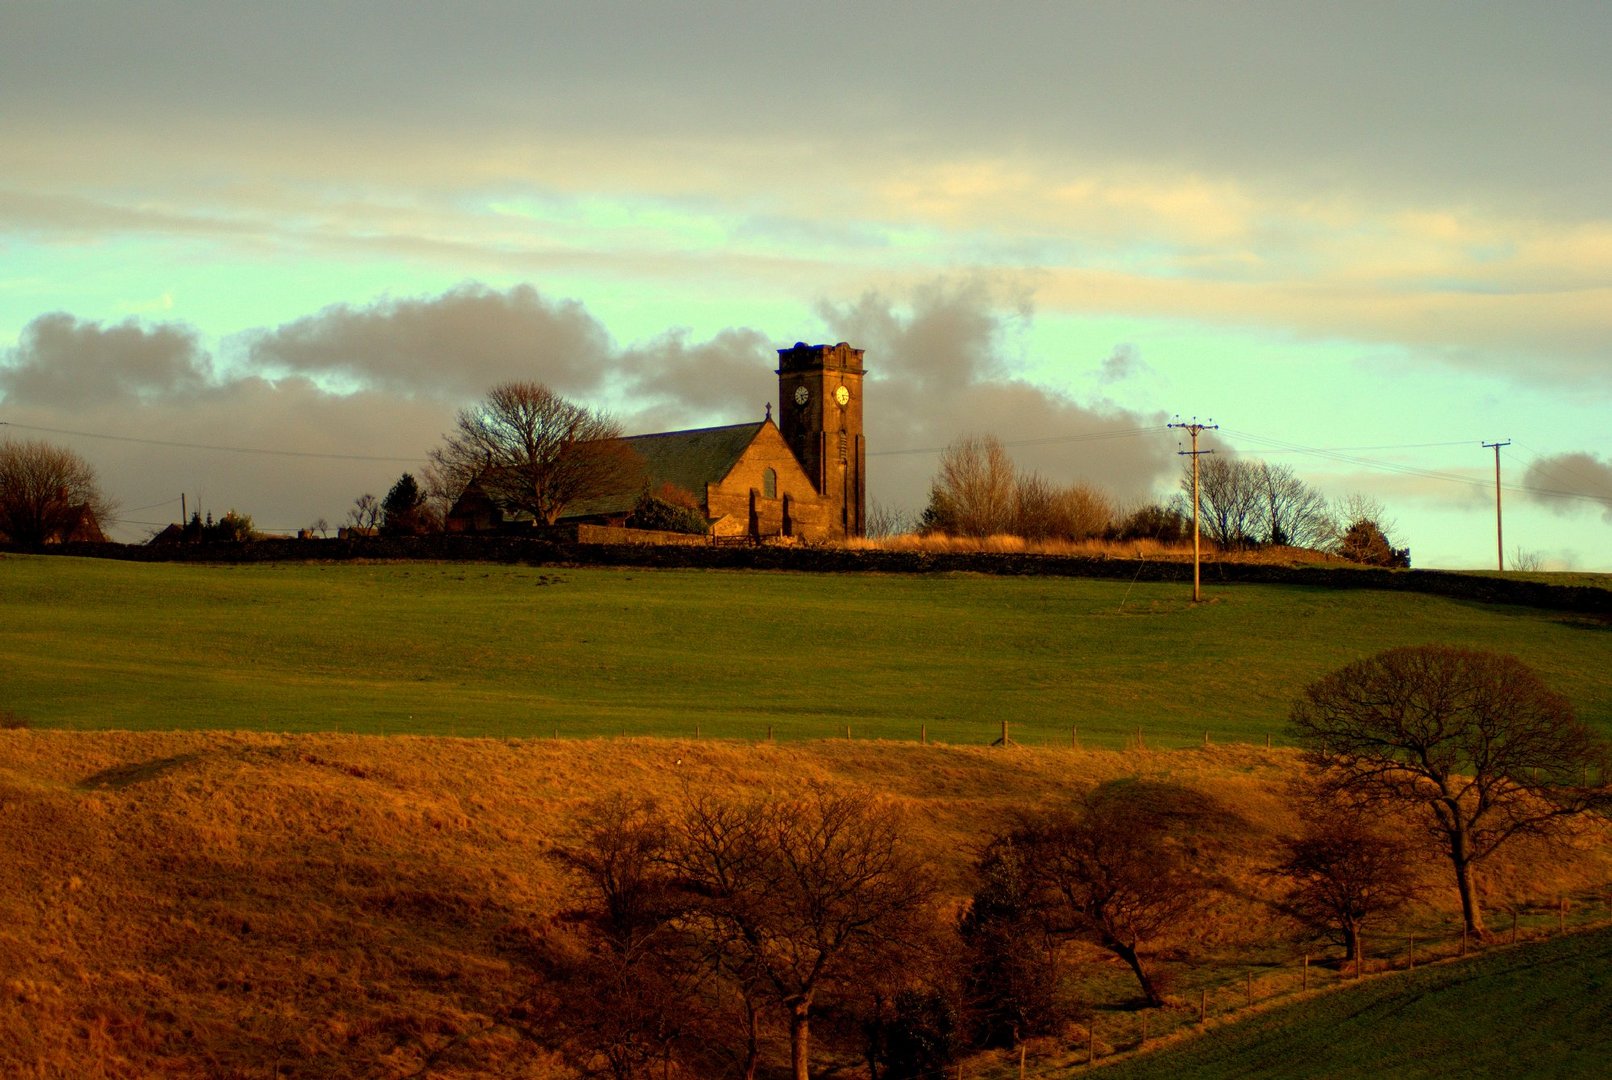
(820, 417)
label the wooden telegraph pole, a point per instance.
(1499, 543)
(1194, 429)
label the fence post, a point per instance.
(696, 731)
(923, 734)
(1022, 1048)
(1306, 984)
(1091, 1040)
(1250, 988)
(1561, 914)
(1206, 738)
(1074, 736)
(847, 731)
(1267, 740)
(1463, 939)
(1410, 952)
(1203, 1005)
(769, 733)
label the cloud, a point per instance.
(1568, 483)
(939, 367)
(451, 347)
(1121, 364)
(61, 362)
(676, 383)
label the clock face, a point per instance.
(802, 395)
(842, 396)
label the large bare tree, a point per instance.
(1230, 499)
(1473, 740)
(1344, 866)
(532, 450)
(796, 895)
(1295, 514)
(47, 493)
(1124, 868)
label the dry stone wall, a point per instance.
(561, 548)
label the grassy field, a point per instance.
(1540, 1011)
(468, 649)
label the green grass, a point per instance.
(1542, 1010)
(493, 649)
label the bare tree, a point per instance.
(630, 993)
(366, 513)
(973, 493)
(1229, 499)
(798, 895)
(1344, 867)
(1296, 515)
(1083, 511)
(1525, 561)
(885, 520)
(1123, 869)
(48, 494)
(1474, 740)
(1035, 501)
(535, 451)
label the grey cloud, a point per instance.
(1567, 483)
(681, 384)
(937, 371)
(1477, 99)
(1121, 364)
(451, 346)
(62, 362)
(322, 451)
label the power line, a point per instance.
(264, 451)
(1089, 436)
(1411, 470)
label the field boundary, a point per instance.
(1479, 588)
(1113, 1037)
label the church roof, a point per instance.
(685, 459)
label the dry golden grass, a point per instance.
(942, 543)
(203, 904)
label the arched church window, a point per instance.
(769, 484)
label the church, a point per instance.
(802, 476)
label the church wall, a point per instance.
(811, 517)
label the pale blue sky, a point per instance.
(1364, 238)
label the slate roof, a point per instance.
(685, 459)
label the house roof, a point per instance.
(685, 459)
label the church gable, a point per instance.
(767, 493)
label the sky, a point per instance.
(261, 254)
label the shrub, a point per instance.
(1155, 521)
(1365, 542)
(655, 512)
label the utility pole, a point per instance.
(1499, 543)
(1194, 429)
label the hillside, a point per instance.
(210, 904)
(1540, 1010)
(492, 649)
